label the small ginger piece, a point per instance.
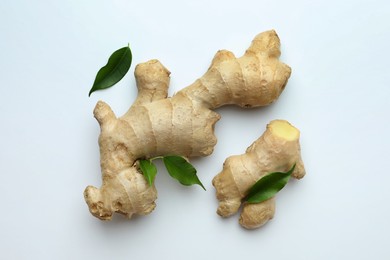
(181, 125)
(275, 151)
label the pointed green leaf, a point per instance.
(149, 170)
(181, 170)
(268, 186)
(116, 68)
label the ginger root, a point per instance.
(275, 151)
(181, 125)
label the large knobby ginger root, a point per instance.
(277, 150)
(182, 125)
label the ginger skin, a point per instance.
(181, 125)
(275, 151)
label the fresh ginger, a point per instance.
(181, 125)
(275, 151)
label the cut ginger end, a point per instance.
(284, 130)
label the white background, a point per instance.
(338, 96)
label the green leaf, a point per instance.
(268, 186)
(181, 170)
(149, 170)
(116, 68)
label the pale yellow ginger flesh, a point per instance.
(181, 125)
(277, 150)
(284, 130)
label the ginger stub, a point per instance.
(275, 151)
(181, 125)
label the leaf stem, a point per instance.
(157, 157)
